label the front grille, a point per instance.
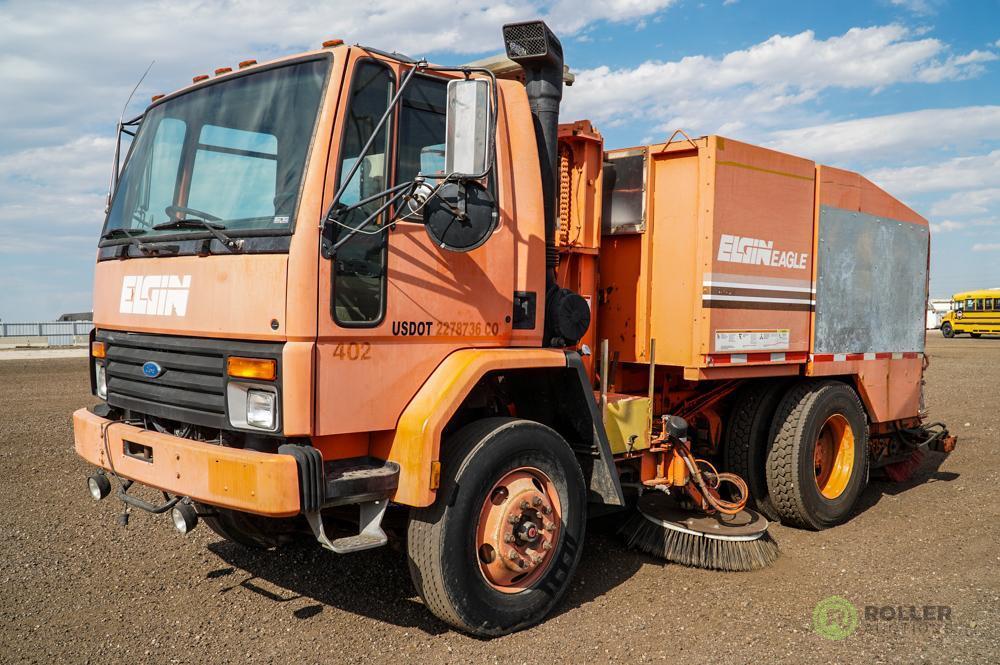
(192, 386)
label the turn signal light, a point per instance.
(98, 350)
(252, 368)
(330, 43)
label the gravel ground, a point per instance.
(77, 587)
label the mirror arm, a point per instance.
(368, 220)
(373, 197)
(345, 182)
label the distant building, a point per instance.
(77, 316)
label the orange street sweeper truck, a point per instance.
(346, 293)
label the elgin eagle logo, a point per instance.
(155, 295)
(754, 251)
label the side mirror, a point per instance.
(468, 128)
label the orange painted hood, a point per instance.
(232, 296)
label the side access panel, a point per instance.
(871, 292)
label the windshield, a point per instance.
(232, 153)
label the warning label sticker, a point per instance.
(751, 340)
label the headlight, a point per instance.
(101, 376)
(260, 409)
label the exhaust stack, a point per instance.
(532, 45)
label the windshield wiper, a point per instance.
(196, 223)
(130, 236)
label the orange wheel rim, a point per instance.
(833, 457)
(518, 532)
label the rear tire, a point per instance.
(947, 330)
(747, 439)
(449, 551)
(975, 335)
(818, 463)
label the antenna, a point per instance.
(118, 137)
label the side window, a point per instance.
(422, 128)
(359, 266)
(970, 305)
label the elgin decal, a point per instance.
(757, 252)
(155, 295)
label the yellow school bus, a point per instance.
(974, 312)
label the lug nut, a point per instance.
(512, 555)
(537, 501)
(512, 519)
(524, 505)
(550, 526)
(536, 558)
(546, 546)
(546, 510)
(508, 538)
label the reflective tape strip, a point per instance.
(842, 357)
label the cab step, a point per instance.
(365, 481)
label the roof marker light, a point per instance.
(330, 43)
(199, 78)
(247, 63)
(223, 70)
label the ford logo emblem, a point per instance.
(151, 369)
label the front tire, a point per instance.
(818, 463)
(947, 330)
(498, 548)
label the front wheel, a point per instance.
(497, 550)
(947, 330)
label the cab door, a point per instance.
(392, 305)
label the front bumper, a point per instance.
(254, 482)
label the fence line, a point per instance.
(55, 333)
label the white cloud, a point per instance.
(775, 76)
(71, 65)
(957, 173)
(901, 134)
(946, 225)
(986, 247)
(980, 202)
(922, 7)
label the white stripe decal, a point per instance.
(796, 301)
(839, 357)
(869, 356)
(761, 287)
(897, 356)
(738, 358)
(777, 357)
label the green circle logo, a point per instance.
(835, 618)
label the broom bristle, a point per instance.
(689, 549)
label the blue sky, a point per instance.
(905, 91)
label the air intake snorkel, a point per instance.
(532, 45)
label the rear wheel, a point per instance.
(947, 330)
(818, 463)
(976, 335)
(747, 439)
(498, 549)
